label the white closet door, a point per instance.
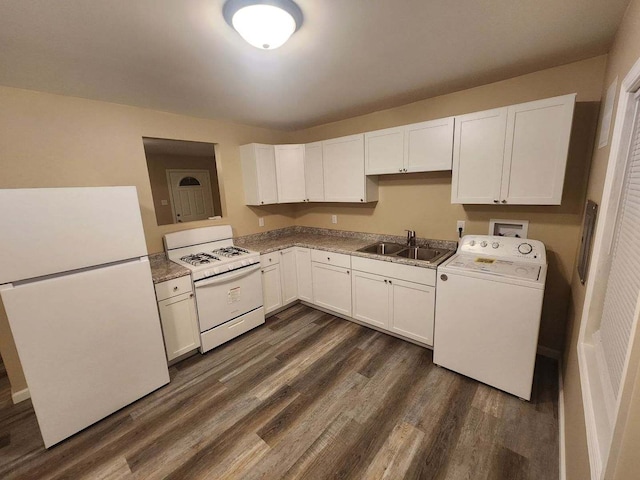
(623, 286)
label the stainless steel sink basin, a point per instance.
(382, 248)
(422, 253)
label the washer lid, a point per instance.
(495, 266)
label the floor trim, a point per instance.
(561, 428)
(20, 395)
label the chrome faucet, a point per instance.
(411, 238)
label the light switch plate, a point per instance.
(334, 218)
(164, 202)
(261, 222)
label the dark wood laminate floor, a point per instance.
(308, 396)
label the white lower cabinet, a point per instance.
(332, 287)
(395, 304)
(279, 279)
(413, 310)
(178, 317)
(271, 287)
(371, 299)
(288, 275)
(303, 274)
(390, 296)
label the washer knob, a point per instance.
(495, 244)
(472, 243)
(483, 244)
(525, 248)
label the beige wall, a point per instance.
(422, 202)
(623, 54)
(157, 165)
(55, 141)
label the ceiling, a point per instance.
(350, 57)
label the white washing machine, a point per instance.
(488, 305)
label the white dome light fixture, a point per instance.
(265, 24)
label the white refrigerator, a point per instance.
(76, 285)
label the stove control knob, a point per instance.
(483, 244)
(495, 244)
(525, 248)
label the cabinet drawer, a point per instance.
(410, 273)
(171, 288)
(330, 258)
(269, 259)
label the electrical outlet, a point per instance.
(459, 226)
(334, 218)
(261, 222)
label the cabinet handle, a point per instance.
(362, 199)
(405, 170)
(400, 170)
(348, 272)
(385, 281)
(495, 201)
(390, 282)
(191, 296)
(175, 289)
(262, 271)
(329, 258)
(262, 203)
(504, 201)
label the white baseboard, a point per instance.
(561, 430)
(549, 352)
(20, 395)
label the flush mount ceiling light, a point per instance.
(265, 24)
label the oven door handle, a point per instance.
(224, 278)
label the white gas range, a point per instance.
(226, 278)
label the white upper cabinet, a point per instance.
(419, 147)
(314, 172)
(344, 178)
(290, 173)
(259, 174)
(536, 151)
(513, 155)
(384, 151)
(478, 155)
(429, 145)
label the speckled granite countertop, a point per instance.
(337, 241)
(163, 269)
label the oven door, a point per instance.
(227, 296)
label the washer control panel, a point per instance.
(504, 247)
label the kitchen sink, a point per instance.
(383, 248)
(422, 253)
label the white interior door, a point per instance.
(89, 343)
(191, 197)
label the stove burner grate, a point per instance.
(230, 252)
(196, 259)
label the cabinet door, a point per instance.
(332, 287)
(271, 288)
(303, 273)
(371, 299)
(343, 160)
(289, 275)
(266, 173)
(314, 172)
(413, 310)
(478, 154)
(290, 173)
(429, 145)
(536, 151)
(384, 151)
(179, 325)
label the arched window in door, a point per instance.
(189, 182)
